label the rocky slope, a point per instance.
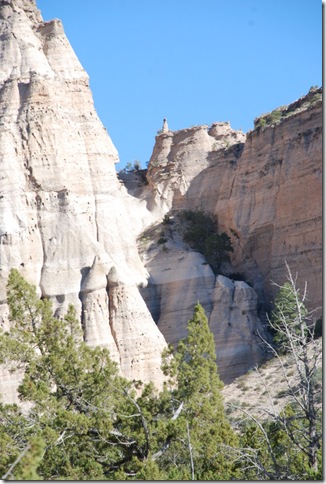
(64, 217)
(266, 388)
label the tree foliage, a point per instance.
(286, 444)
(201, 234)
(84, 421)
(79, 419)
(288, 315)
(203, 430)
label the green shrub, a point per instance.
(200, 225)
(274, 116)
(216, 251)
(166, 220)
(201, 234)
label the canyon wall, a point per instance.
(180, 276)
(265, 189)
(73, 229)
(65, 219)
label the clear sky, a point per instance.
(191, 61)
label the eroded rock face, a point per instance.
(276, 202)
(65, 220)
(265, 189)
(235, 325)
(179, 278)
(178, 160)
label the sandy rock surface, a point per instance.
(65, 220)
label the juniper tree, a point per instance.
(75, 395)
(198, 451)
(84, 421)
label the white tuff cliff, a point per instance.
(65, 220)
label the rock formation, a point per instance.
(179, 278)
(71, 227)
(165, 127)
(64, 217)
(280, 217)
(265, 189)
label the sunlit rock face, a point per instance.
(276, 202)
(265, 189)
(65, 220)
(181, 158)
(72, 228)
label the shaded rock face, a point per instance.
(179, 278)
(264, 188)
(65, 220)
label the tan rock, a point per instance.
(179, 278)
(265, 190)
(65, 220)
(275, 205)
(235, 325)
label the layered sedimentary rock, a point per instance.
(64, 217)
(276, 201)
(265, 189)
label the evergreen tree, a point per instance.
(288, 315)
(202, 430)
(73, 391)
(82, 420)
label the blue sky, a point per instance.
(191, 61)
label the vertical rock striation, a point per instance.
(265, 189)
(276, 202)
(64, 217)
